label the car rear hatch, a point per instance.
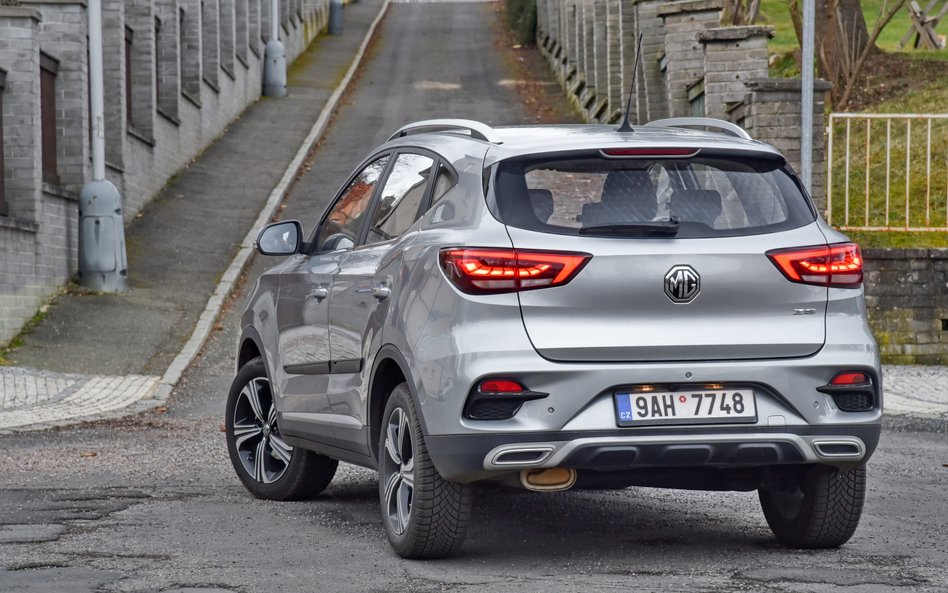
(678, 268)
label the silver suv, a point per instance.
(554, 307)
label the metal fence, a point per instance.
(887, 171)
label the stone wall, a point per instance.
(907, 298)
(183, 92)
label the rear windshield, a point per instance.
(701, 196)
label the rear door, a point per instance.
(364, 285)
(708, 292)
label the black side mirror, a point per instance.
(280, 238)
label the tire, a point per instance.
(268, 466)
(821, 510)
(424, 515)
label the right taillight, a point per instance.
(488, 271)
(838, 265)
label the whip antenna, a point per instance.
(626, 126)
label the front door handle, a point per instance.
(319, 293)
(381, 292)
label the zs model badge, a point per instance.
(682, 284)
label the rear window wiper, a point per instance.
(657, 228)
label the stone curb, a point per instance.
(157, 394)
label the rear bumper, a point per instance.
(469, 457)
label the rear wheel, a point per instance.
(425, 516)
(819, 509)
(268, 466)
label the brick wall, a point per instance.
(176, 114)
(732, 56)
(684, 54)
(907, 299)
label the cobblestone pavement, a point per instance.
(31, 399)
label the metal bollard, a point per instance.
(102, 262)
(335, 17)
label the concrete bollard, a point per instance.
(102, 262)
(274, 69)
(335, 17)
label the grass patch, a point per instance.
(17, 341)
(777, 13)
(899, 239)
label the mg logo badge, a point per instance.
(682, 284)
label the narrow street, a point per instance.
(151, 503)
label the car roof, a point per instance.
(511, 141)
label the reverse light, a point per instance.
(488, 271)
(838, 265)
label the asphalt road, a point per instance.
(151, 504)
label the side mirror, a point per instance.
(280, 238)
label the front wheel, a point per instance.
(269, 467)
(819, 509)
(425, 516)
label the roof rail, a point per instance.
(477, 129)
(702, 122)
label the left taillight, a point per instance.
(838, 265)
(490, 271)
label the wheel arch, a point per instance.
(388, 371)
(249, 348)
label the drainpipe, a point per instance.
(274, 57)
(102, 262)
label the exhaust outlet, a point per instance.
(552, 479)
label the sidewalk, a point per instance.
(113, 355)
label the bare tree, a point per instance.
(843, 40)
(741, 12)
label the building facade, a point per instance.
(176, 73)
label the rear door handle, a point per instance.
(381, 292)
(319, 293)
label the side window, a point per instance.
(341, 228)
(401, 197)
(443, 182)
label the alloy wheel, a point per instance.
(263, 453)
(400, 460)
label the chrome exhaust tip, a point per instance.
(553, 479)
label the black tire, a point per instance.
(436, 514)
(821, 510)
(283, 472)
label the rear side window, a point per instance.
(400, 202)
(707, 196)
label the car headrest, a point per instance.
(632, 191)
(695, 205)
(542, 202)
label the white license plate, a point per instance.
(685, 407)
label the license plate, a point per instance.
(685, 407)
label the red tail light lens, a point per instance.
(505, 386)
(483, 271)
(649, 152)
(837, 265)
(850, 379)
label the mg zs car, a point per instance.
(558, 307)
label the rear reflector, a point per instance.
(649, 152)
(488, 271)
(850, 379)
(838, 265)
(500, 386)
